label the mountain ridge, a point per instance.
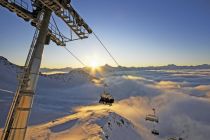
(107, 67)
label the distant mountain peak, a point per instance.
(107, 65)
(5, 61)
(171, 65)
(3, 58)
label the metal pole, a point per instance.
(17, 119)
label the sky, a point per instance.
(137, 33)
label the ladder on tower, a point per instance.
(31, 48)
(24, 97)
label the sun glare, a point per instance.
(94, 64)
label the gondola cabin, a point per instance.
(106, 98)
(172, 139)
(152, 118)
(176, 138)
(155, 132)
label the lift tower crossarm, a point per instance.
(19, 8)
(23, 12)
(70, 16)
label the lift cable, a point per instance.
(106, 49)
(115, 61)
(85, 66)
(60, 34)
(58, 29)
(75, 57)
(56, 26)
(5, 90)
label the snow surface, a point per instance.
(66, 105)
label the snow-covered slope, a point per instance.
(89, 122)
(75, 77)
(116, 127)
(66, 105)
(8, 73)
(49, 87)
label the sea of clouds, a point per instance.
(181, 99)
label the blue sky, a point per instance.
(137, 32)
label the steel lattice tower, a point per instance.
(18, 116)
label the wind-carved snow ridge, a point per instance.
(116, 127)
(8, 66)
(74, 77)
(94, 122)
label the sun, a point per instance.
(94, 64)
